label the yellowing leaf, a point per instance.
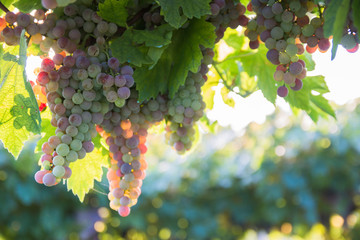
(19, 113)
(85, 171)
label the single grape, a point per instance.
(282, 91)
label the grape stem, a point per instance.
(247, 93)
(133, 20)
(320, 12)
(2, 7)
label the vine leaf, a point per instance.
(7, 4)
(19, 112)
(180, 57)
(190, 9)
(85, 171)
(254, 63)
(114, 11)
(28, 5)
(139, 47)
(356, 13)
(335, 19)
(305, 99)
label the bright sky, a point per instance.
(342, 76)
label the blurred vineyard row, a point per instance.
(284, 179)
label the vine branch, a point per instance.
(229, 87)
(2, 7)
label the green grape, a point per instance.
(83, 128)
(58, 171)
(287, 16)
(277, 33)
(79, 136)
(295, 6)
(127, 158)
(296, 30)
(252, 25)
(120, 102)
(77, 98)
(316, 22)
(270, 43)
(308, 30)
(46, 164)
(178, 118)
(72, 131)
(281, 45)
(348, 41)
(58, 160)
(186, 102)
(286, 26)
(72, 156)
(294, 58)
(284, 58)
(76, 145)
(291, 50)
(196, 105)
(62, 149)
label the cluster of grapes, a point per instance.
(127, 148)
(284, 27)
(224, 14)
(153, 18)
(350, 40)
(88, 92)
(187, 107)
(125, 131)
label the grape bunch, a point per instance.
(284, 26)
(153, 19)
(127, 148)
(224, 14)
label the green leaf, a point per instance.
(323, 104)
(180, 57)
(317, 83)
(335, 19)
(28, 5)
(258, 65)
(356, 13)
(19, 113)
(139, 47)
(253, 63)
(114, 11)
(330, 17)
(85, 171)
(7, 3)
(309, 62)
(314, 105)
(125, 50)
(225, 97)
(189, 8)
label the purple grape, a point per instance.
(126, 168)
(123, 92)
(298, 85)
(282, 91)
(88, 146)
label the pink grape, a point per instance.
(39, 176)
(124, 211)
(49, 179)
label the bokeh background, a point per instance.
(286, 178)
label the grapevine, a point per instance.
(98, 72)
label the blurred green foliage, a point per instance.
(286, 177)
